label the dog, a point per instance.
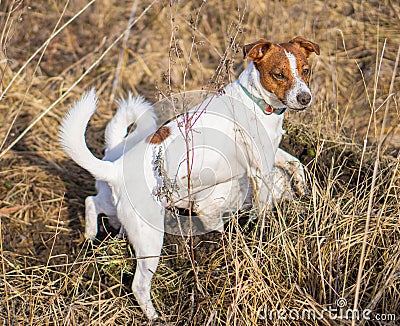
(203, 155)
(135, 110)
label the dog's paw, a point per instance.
(298, 179)
(90, 234)
(289, 180)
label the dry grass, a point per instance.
(304, 255)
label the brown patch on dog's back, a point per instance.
(159, 136)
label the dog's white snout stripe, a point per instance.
(299, 88)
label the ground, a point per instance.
(339, 242)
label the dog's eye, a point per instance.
(306, 71)
(279, 76)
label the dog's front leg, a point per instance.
(294, 169)
(263, 186)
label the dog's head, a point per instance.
(284, 69)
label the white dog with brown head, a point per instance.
(202, 156)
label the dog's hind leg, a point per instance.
(100, 204)
(90, 218)
(105, 204)
(147, 240)
(141, 285)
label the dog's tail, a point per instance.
(72, 138)
(133, 110)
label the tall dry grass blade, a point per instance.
(372, 190)
(4, 273)
(43, 46)
(43, 51)
(92, 66)
(123, 51)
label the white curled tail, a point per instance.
(72, 138)
(132, 110)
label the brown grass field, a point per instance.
(340, 242)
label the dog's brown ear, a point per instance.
(256, 51)
(305, 45)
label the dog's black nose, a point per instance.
(304, 98)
